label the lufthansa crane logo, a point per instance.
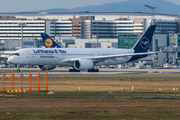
(48, 42)
(144, 43)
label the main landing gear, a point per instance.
(74, 70)
(90, 70)
(93, 70)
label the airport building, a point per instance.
(11, 28)
(83, 25)
(127, 41)
(89, 29)
(166, 26)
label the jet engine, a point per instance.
(83, 64)
(49, 67)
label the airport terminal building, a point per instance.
(83, 25)
(105, 29)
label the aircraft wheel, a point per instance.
(70, 70)
(74, 70)
(96, 70)
(93, 70)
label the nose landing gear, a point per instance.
(18, 70)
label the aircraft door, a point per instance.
(27, 54)
(56, 54)
(98, 53)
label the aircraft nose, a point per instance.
(10, 60)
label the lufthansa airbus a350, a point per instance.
(81, 58)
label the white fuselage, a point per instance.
(57, 56)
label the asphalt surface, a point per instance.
(106, 94)
(106, 70)
(114, 76)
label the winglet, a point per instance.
(48, 41)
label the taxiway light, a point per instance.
(16, 91)
(24, 91)
(12, 91)
(20, 91)
(9, 91)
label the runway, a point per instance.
(103, 72)
(113, 76)
(131, 69)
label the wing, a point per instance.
(97, 59)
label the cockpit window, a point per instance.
(14, 54)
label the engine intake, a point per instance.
(83, 64)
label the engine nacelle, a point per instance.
(49, 67)
(83, 64)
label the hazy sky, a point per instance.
(32, 5)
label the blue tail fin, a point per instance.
(48, 41)
(144, 42)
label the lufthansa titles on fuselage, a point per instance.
(40, 51)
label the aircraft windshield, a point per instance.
(14, 54)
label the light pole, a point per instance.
(18, 41)
(22, 24)
(7, 43)
(152, 13)
(97, 36)
(60, 32)
(53, 21)
(152, 23)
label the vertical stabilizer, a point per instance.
(145, 41)
(49, 42)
